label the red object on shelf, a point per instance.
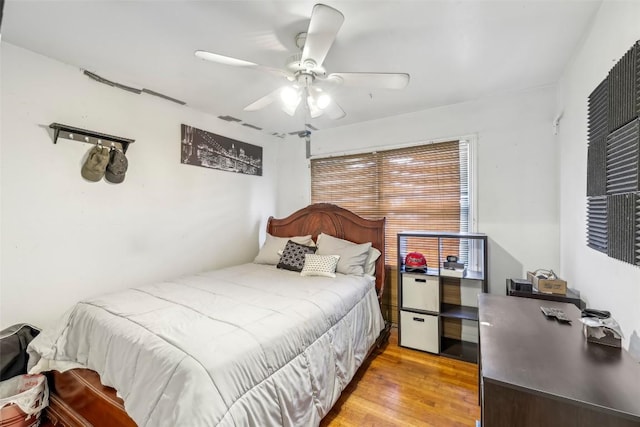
(415, 261)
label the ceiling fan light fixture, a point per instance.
(290, 109)
(289, 96)
(312, 105)
(306, 75)
(323, 101)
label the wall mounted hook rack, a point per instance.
(89, 136)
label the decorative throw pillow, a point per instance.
(320, 265)
(293, 256)
(352, 255)
(273, 246)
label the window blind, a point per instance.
(424, 187)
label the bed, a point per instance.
(245, 345)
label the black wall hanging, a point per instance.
(89, 136)
(613, 162)
(206, 149)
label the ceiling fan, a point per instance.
(307, 78)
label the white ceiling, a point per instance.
(455, 51)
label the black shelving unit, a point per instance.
(459, 349)
(451, 318)
(458, 311)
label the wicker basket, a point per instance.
(22, 399)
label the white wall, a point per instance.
(516, 170)
(64, 238)
(604, 282)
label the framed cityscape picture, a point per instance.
(206, 149)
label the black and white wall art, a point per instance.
(202, 148)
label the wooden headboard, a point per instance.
(336, 221)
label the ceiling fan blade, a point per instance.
(226, 60)
(264, 101)
(373, 80)
(334, 111)
(323, 28)
(235, 62)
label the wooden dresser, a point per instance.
(538, 372)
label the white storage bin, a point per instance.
(419, 331)
(420, 292)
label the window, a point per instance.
(424, 187)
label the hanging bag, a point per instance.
(13, 347)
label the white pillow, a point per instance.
(320, 265)
(272, 245)
(352, 255)
(370, 263)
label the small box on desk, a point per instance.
(602, 331)
(551, 286)
(602, 336)
(521, 285)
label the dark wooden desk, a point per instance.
(538, 372)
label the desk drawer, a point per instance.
(420, 292)
(419, 331)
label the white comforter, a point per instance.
(246, 345)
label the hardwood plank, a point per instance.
(400, 386)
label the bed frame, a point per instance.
(78, 399)
(336, 221)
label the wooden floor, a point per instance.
(404, 387)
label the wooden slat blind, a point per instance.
(416, 188)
